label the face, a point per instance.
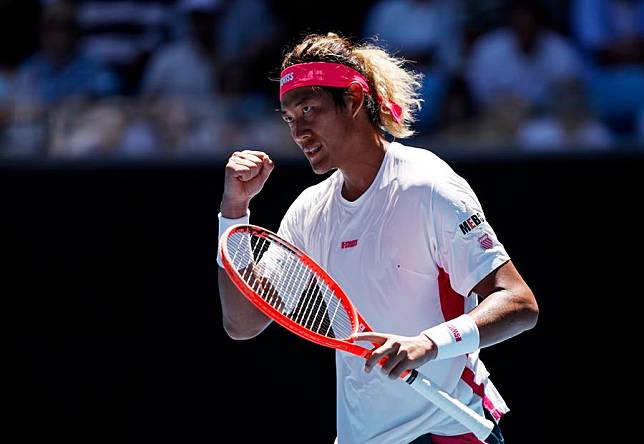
(318, 126)
(57, 39)
(525, 26)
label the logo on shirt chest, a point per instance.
(471, 222)
(349, 244)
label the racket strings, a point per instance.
(288, 285)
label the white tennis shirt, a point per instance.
(407, 252)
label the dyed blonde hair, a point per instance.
(386, 75)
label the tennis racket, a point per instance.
(293, 290)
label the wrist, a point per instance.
(453, 338)
(234, 209)
(224, 224)
(430, 347)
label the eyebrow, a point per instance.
(295, 105)
(298, 101)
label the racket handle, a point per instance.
(480, 426)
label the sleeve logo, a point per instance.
(471, 222)
(486, 242)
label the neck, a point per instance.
(360, 169)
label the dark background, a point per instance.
(110, 293)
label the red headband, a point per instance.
(334, 75)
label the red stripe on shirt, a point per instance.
(452, 303)
(479, 390)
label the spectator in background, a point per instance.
(87, 129)
(569, 125)
(461, 126)
(611, 33)
(248, 45)
(122, 34)
(523, 61)
(482, 16)
(430, 32)
(19, 43)
(7, 77)
(485, 15)
(426, 31)
(182, 89)
(188, 67)
(57, 72)
(220, 33)
(249, 41)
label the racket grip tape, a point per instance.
(477, 424)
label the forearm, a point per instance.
(504, 314)
(242, 320)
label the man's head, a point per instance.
(323, 123)
(59, 32)
(526, 20)
(202, 18)
(333, 92)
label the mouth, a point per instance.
(312, 150)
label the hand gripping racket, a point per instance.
(293, 290)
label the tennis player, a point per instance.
(400, 231)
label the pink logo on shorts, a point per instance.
(486, 242)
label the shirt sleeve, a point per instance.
(465, 244)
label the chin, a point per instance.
(320, 169)
(321, 164)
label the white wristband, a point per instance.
(454, 338)
(224, 224)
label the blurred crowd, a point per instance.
(173, 78)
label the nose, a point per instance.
(299, 132)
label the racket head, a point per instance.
(289, 287)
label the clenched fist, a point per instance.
(245, 176)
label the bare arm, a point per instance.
(241, 319)
(508, 306)
(245, 175)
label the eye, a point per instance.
(286, 118)
(306, 109)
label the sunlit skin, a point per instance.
(346, 140)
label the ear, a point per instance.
(354, 99)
